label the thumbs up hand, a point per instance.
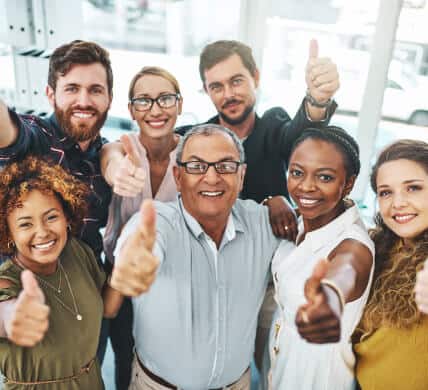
(318, 321)
(322, 78)
(129, 177)
(27, 320)
(135, 267)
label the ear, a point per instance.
(204, 86)
(349, 185)
(177, 177)
(243, 171)
(50, 93)
(256, 77)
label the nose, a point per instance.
(399, 200)
(307, 184)
(155, 109)
(228, 91)
(211, 176)
(84, 98)
(42, 230)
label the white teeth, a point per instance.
(82, 115)
(45, 246)
(206, 193)
(308, 201)
(157, 124)
(403, 218)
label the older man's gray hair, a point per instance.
(209, 129)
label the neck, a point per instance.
(158, 149)
(215, 231)
(243, 129)
(84, 145)
(37, 268)
(314, 224)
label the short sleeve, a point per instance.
(11, 273)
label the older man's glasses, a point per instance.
(201, 167)
(163, 101)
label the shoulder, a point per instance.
(250, 213)
(10, 278)
(168, 213)
(77, 249)
(275, 116)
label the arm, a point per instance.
(113, 300)
(421, 289)
(8, 129)
(333, 283)
(24, 320)
(121, 168)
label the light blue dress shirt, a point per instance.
(196, 326)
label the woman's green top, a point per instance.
(69, 344)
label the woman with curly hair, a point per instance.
(50, 286)
(391, 342)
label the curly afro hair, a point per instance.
(18, 179)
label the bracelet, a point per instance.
(330, 283)
(313, 102)
(266, 200)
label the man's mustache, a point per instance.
(230, 102)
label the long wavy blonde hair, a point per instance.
(392, 301)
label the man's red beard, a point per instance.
(80, 133)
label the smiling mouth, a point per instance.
(83, 115)
(308, 202)
(212, 194)
(45, 245)
(157, 124)
(403, 218)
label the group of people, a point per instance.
(203, 265)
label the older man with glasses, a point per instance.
(206, 262)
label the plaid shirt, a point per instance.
(43, 137)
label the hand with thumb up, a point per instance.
(136, 266)
(27, 319)
(322, 77)
(318, 320)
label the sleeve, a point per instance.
(8, 272)
(30, 139)
(290, 129)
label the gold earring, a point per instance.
(11, 245)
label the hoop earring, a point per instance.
(11, 245)
(69, 228)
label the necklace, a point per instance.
(58, 290)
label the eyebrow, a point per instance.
(404, 182)
(227, 158)
(80, 85)
(221, 82)
(147, 95)
(317, 170)
(46, 212)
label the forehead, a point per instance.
(36, 202)
(212, 147)
(226, 69)
(318, 153)
(153, 85)
(399, 171)
(84, 75)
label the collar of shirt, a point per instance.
(233, 225)
(316, 238)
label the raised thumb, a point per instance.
(313, 49)
(30, 286)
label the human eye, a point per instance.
(196, 166)
(238, 81)
(414, 187)
(70, 88)
(383, 193)
(216, 87)
(24, 225)
(144, 103)
(52, 217)
(325, 178)
(97, 90)
(295, 172)
(167, 101)
(227, 166)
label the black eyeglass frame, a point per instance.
(184, 164)
(177, 97)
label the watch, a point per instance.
(313, 102)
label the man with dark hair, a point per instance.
(79, 89)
